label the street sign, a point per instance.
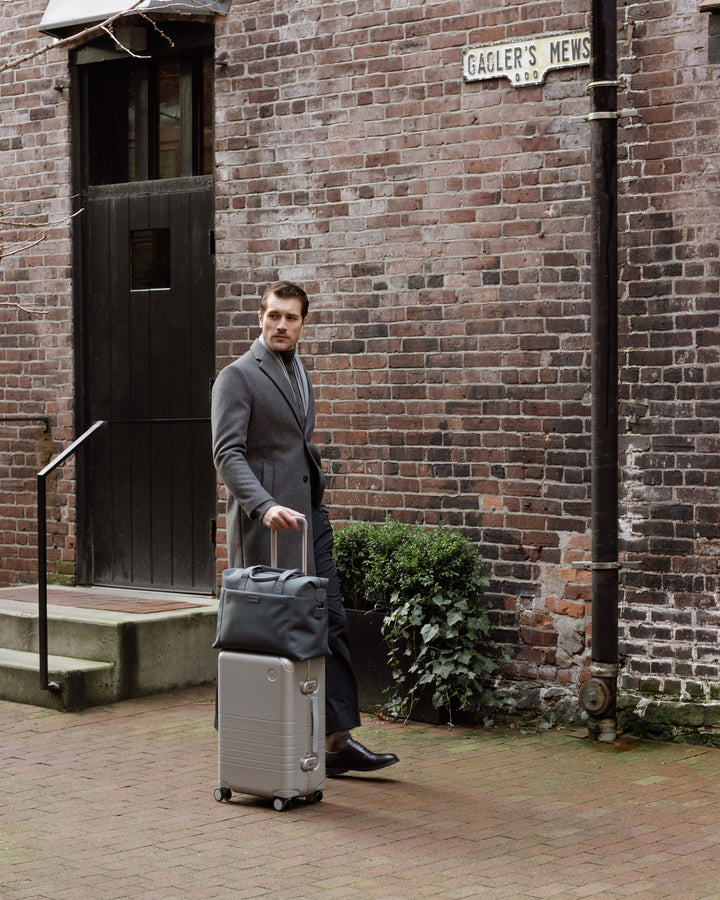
(526, 61)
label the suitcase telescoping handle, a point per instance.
(273, 544)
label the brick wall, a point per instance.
(36, 377)
(442, 230)
(670, 179)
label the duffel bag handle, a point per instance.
(273, 544)
(260, 574)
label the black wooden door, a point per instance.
(148, 323)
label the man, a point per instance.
(263, 416)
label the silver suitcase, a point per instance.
(271, 722)
(271, 727)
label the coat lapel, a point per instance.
(273, 369)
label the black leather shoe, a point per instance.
(352, 756)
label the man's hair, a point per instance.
(286, 290)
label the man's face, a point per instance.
(281, 322)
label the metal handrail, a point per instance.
(45, 683)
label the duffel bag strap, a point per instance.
(264, 574)
(246, 575)
(260, 574)
(283, 578)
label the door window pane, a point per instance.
(108, 119)
(206, 167)
(132, 134)
(150, 259)
(137, 142)
(149, 119)
(169, 120)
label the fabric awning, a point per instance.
(62, 16)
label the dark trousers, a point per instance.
(341, 702)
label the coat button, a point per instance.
(305, 479)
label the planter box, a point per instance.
(373, 672)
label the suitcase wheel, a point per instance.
(281, 803)
(222, 794)
(314, 798)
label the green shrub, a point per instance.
(428, 582)
(365, 560)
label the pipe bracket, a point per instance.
(601, 84)
(601, 566)
(603, 114)
(603, 670)
(607, 114)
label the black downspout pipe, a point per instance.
(600, 695)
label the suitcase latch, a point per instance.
(309, 763)
(309, 686)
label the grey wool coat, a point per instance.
(262, 451)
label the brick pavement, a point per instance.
(118, 802)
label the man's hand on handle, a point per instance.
(278, 518)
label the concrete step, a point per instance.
(101, 655)
(82, 682)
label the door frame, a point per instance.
(81, 190)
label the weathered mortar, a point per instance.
(442, 231)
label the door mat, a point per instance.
(115, 601)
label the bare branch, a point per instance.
(156, 27)
(69, 43)
(22, 247)
(31, 311)
(92, 31)
(111, 33)
(25, 221)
